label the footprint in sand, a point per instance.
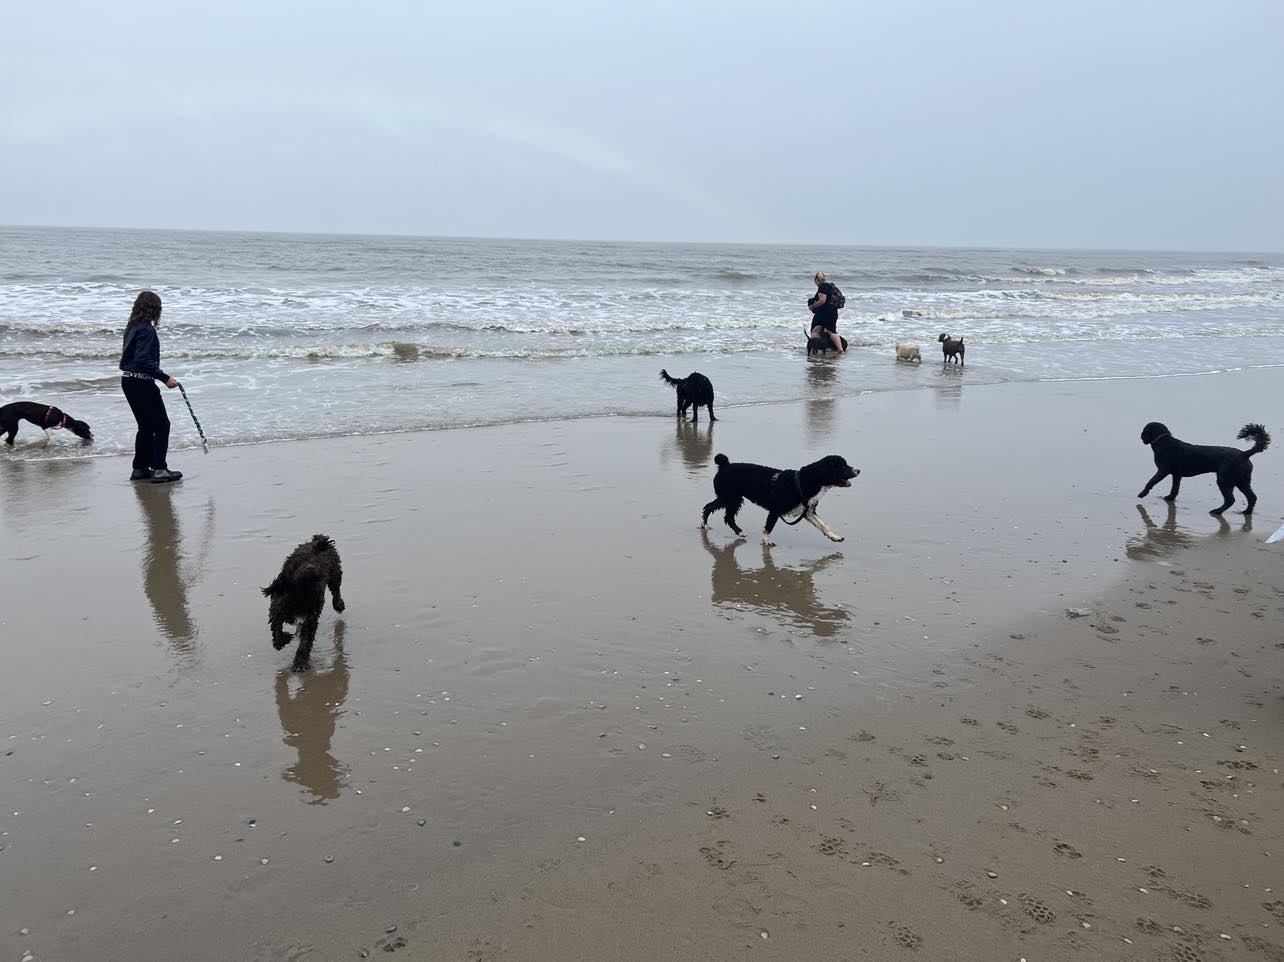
(1271, 950)
(939, 740)
(1008, 727)
(1184, 953)
(717, 812)
(1037, 909)
(1066, 849)
(970, 721)
(392, 944)
(919, 760)
(1035, 711)
(715, 856)
(907, 938)
(1193, 899)
(970, 900)
(1276, 909)
(1238, 764)
(830, 845)
(1149, 926)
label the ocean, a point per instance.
(280, 336)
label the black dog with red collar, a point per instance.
(46, 417)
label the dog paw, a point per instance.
(1170, 498)
(837, 538)
(704, 527)
(767, 542)
(339, 604)
(300, 664)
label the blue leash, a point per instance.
(205, 445)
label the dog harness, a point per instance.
(45, 419)
(802, 500)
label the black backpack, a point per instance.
(836, 298)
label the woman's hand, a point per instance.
(171, 384)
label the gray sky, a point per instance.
(1033, 123)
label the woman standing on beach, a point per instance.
(139, 372)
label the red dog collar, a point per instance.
(49, 411)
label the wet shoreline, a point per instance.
(540, 647)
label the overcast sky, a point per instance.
(1116, 124)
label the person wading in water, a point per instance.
(825, 311)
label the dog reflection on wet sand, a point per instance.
(788, 594)
(309, 717)
(1161, 540)
(694, 444)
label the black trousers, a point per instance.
(151, 444)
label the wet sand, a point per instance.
(559, 722)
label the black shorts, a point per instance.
(827, 323)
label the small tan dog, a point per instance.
(908, 352)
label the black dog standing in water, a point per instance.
(693, 391)
(1182, 460)
(781, 492)
(298, 594)
(45, 417)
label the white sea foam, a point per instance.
(321, 323)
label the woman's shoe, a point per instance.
(164, 476)
(141, 474)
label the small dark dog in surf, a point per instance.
(46, 417)
(1233, 466)
(952, 348)
(782, 493)
(694, 390)
(298, 594)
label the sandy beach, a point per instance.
(1017, 714)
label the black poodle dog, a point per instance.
(298, 594)
(46, 417)
(780, 492)
(693, 391)
(1182, 460)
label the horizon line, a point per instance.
(675, 243)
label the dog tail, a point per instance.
(277, 587)
(322, 543)
(664, 376)
(1261, 440)
(721, 460)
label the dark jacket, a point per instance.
(142, 351)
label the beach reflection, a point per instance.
(694, 445)
(820, 410)
(309, 717)
(1161, 540)
(786, 594)
(163, 582)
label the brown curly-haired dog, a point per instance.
(298, 594)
